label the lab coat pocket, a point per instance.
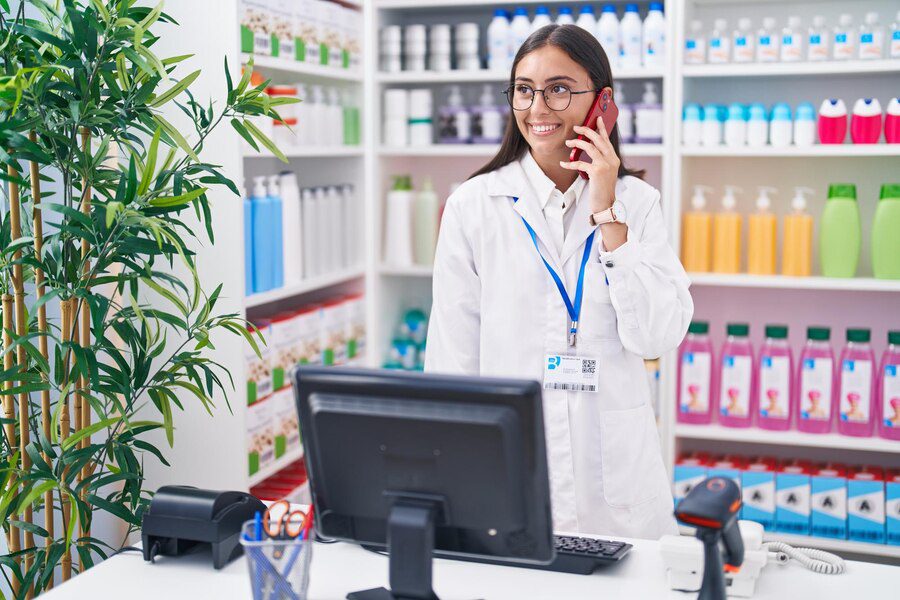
(598, 316)
(630, 456)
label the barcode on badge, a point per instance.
(588, 366)
(571, 387)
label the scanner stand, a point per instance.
(713, 586)
(411, 525)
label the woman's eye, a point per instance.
(559, 89)
(524, 90)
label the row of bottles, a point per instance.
(773, 392)
(714, 242)
(412, 220)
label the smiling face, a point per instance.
(545, 130)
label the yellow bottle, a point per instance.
(727, 228)
(762, 236)
(696, 234)
(796, 253)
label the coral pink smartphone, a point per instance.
(603, 108)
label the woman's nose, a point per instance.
(539, 105)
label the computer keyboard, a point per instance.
(576, 555)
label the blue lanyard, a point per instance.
(574, 309)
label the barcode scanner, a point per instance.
(712, 507)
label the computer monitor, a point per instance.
(417, 462)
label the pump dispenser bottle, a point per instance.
(727, 228)
(796, 254)
(696, 235)
(761, 240)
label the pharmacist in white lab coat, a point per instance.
(499, 311)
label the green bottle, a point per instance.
(886, 233)
(841, 232)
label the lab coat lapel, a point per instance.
(581, 227)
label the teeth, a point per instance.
(544, 128)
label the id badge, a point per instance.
(571, 373)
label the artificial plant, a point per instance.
(101, 326)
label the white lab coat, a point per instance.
(497, 312)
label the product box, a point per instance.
(689, 471)
(256, 21)
(792, 491)
(259, 368)
(304, 28)
(865, 504)
(285, 348)
(260, 436)
(729, 467)
(285, 426)
(282, 28)
(758, 492)
(828, 502)
(310, 341)
(320, 19)
(356, 329)
(333, 37)
(333, 333)
(892, 506)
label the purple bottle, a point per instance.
(736, 381)
(816, 383)
(775, 396)
(857, 399)
(695, 375)
(889, 388)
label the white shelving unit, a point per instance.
(489, 150)
(799, 69)
(837, 150)
(304, 287)
(324, 152)
(752, 435)
(485, 76)
(271, 469)
(305, 71)
(858, 284)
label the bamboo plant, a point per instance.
(98, 241)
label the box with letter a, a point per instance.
(865, 504)
(829, 502)
(758, 492)
(892, 506)
(688, 472)
(792, 491)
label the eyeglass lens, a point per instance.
(557, 97)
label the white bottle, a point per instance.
(713, 129)
(871, 38)
(336, 220)
(780, 127)
(735, 127)
(541, 18)
(648, 117)
(335, 118)
(719, 43)
(398, 238)
(301, 109)
(310, 220)
(291, 228)
(744, 42)
(654, 36)
(455, 120)
(630, 31)
(691, 126)
(352, 234)
(586, 19)
(757, 126)
(625, 121)
(805, 125)
(895, 37)
(489, 129)
(498, 41)
(608, 34)
(817, 41)
(844, 47)
(317, 115)
(519, 30)
(564, 17)
(695, 45)
(323, 226)
(767, 42)
(792, 41)
(426, 224)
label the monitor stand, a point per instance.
(410, 544)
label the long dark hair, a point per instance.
(583, 48)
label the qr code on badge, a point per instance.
(588, 366)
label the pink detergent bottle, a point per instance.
(889, 388)
(857, 399)
(865, 124)
(695, 375)
(832, 124)
(775, 396)
(892, 122)
(736, 394)
(816, 383)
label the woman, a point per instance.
(519, 235)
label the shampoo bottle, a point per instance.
(865, 124)
(816, 383)
(398, 250)
(892, 121)
(292, 228)
(727, 227)
(762, 236)
(889, 388)
(695, 375)
(426, 219)
(776, 387)
(841, 232)
(736, 386)
(276, 232)
(832, 121)
(796, 254)
(736, 126)
(886, 234)
(857, 395)
(805, 125)
(262, 237)
(691, 125)
(696, 236)
(757, 126)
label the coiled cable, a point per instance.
(815, 560)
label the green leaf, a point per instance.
(265, 141)
(176, 137)
(112, 209)
(151, 17)
(100, 8)
(35, 493)
(170, 201)
(150, 164)
(87, 432)
(176, 89)
(239, 127)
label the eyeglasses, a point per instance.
(557, 96)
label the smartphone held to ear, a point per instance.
(603, 109)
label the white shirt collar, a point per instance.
(543, 186)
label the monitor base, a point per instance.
(380, 594)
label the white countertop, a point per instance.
(341, 568)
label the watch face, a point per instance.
(619, 211)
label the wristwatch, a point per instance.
(613, 214)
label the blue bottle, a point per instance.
(248, 246)
(262, 237)
(276, 233)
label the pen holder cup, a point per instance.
(279, 568)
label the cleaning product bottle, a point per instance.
(865, 124)
(780, 127)
(719, 43)
(276, 232)
(816, 383)
(762, 236)
(736, 126)
(832, 121)
(541, 18)
(630, 31)
(564, 16)
(586, 19)
(757, 126)
(654, 36)
(736, 381)
(805, 125)
(691, 125)
(625, 121)
(262, 237)
(426, 218)
(796, 253)
(857, 396)
(844, 47)
(292, 228)
(398, 250)
(892, 122)
(498, 41)
(895, 36)
(695, 45)
(886, 234)
(889, 388)
(713, 127)
(744, 42)
(336, 220)
(727, 227)
(696, 235)
(792, 41)
(775, 396)
(248, 245)
(455, 121)
(311, 247)
(871, 38)
(695, 375)
(608, 34)
(767, 46)
(487, 119)
(648, 117)
(519, 30)
(817, 40)
(841, 232)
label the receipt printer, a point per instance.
(181, 517)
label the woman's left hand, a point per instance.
(603, 172)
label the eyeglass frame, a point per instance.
(546, 102)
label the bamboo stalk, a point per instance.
(66, 309)
(85, 327)
(18, 281)
(46, 411)
(9, 412)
